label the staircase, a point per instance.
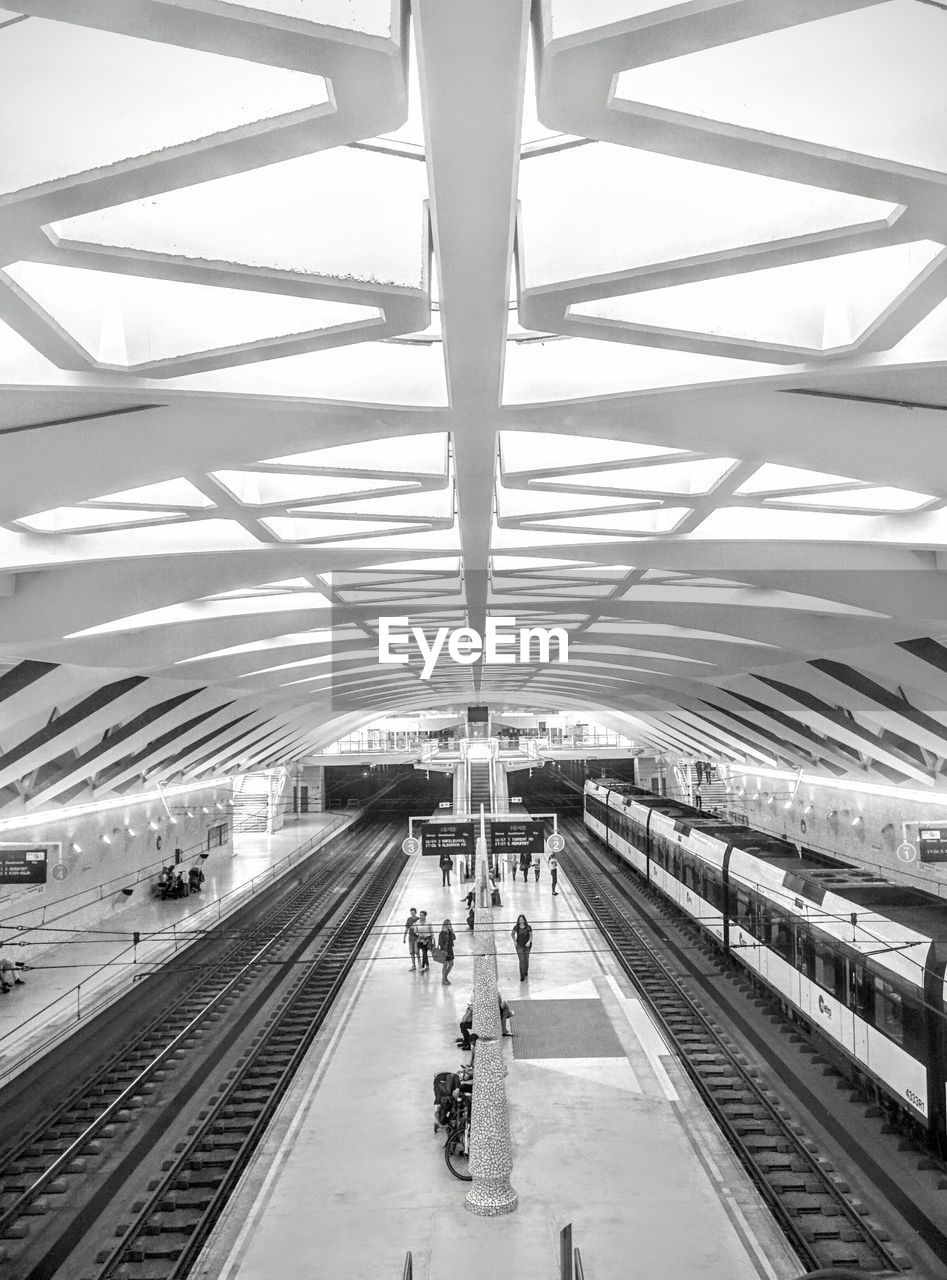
(480, 786)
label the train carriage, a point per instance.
(860, 960)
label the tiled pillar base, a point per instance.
(491, 1198)
(491, 1151)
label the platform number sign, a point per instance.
(555, 843)
(410, 845)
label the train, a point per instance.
(859, 960)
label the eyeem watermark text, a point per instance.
(503, 645)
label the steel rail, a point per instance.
(740, 1106)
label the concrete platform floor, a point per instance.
(79, 978)
(351, 1176)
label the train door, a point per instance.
(860, 999)
(935, 1012)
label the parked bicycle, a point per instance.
(452, 1110)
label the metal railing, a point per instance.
(570, 1259)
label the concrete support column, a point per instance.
(491, 1151)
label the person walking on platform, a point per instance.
(536, 866)
(410, 936)
(445, 944)
(525, 860)
(522, 936)
(445, 862)
(425, 940)
(554, 873)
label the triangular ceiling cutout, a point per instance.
(129, 321)
(823, 305)
(857, 98)
(393, 455)
(543, 452)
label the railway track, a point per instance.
(126, 1176)
(810, 1202)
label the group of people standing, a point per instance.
(419, 935)
(172, 882)
(528, 860)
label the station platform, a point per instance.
(607, 1131)
(77, 979)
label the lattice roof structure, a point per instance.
(606, 313)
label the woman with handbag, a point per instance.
(522, 936)
(445, 950)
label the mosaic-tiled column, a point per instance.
(491, 1152)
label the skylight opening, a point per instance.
(594, 211)
(129, 321)
(281, 217)
(857, 97)
(178, 493)
(387, 456)
(91, 519)
(695, 476)
(881, 499)
(273, 488)
(821, 305)
(772, 477)
(57, 72)
(520, 451)
(206, 610)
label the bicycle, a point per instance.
(457, 1146)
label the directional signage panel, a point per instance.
(23, 863)
(516, 837)
(932, 844)
(447, 837)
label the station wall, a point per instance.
(857, 826)
(103, 854)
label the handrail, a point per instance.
(566, 1256)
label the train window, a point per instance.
(805, 953)
(743, 911)
(889, 1015)
(861, 993)
(781, 940)
(713, 889)
(827, 969)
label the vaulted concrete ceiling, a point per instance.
(623, 315)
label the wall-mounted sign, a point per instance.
(447, 837)
(516, 837)
(23, 863)
(932, 844)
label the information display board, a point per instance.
(516, 837)
(455, 838)
(23, 863)
(932, 844)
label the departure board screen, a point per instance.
(447, 837)
(23, 864)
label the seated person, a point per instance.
(506, 1013)
(466, 1023)
(466, 1040)
(9, 975)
